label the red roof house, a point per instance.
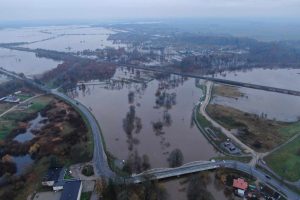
(240, 184)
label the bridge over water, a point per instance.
(199, 166)
(223, 81)
(102, 168)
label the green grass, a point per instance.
(202, 121)
(86, 196)
(5, 128)
(68, 175)
(286, 161)
(23, 97)
(244, 159)
(290, 130)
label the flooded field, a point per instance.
(142, 115)
(276, 106)
(25, 62)
(281, 78)
(34, 124)
(26, 34)
(178, 188)
(74, 39)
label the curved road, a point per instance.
(99, 157)
(228, 134)
(203, 166)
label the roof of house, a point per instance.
(240, 184)
(53, 174)
(71, 190)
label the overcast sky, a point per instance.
(118, 9)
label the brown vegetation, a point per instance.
(256, 131)
(64, 137)
(70, 72)
(227, 91)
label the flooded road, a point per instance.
(138, 121)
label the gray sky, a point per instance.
(117, 9)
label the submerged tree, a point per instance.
(175, 158)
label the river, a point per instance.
(111, 106)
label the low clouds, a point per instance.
(115, 9)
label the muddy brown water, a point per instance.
(110, 105)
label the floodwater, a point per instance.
(34, 124)
(26, 34)
(177, 188)
(25, 62)
(281, 78)
(74, 39)
(277, 106)
(74, 43)
(110, 104)
(22, 163)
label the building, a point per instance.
(240, 184)
(12, 99)
(53, 175)
(71, 190)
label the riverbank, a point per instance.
(257, 131)
(62, 140)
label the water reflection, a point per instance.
(139, 125)
(272, 105)
(34, 124)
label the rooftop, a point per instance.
(53, 174)
(71, 190)
(240, 184)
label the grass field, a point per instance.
(4, 107)
(86, 196)
(226, 91)
(245, 159)
(268, 133)
(10, 121)
(286, 161)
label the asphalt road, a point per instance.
(99, 158)
(198, 167)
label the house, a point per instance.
(53, 175)
(12, 99)
(71, 190)
(240, 184)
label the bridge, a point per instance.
(102, 168)
(218, 80)
(194, 167)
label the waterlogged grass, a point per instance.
(286, 161)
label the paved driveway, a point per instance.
(47, 196)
